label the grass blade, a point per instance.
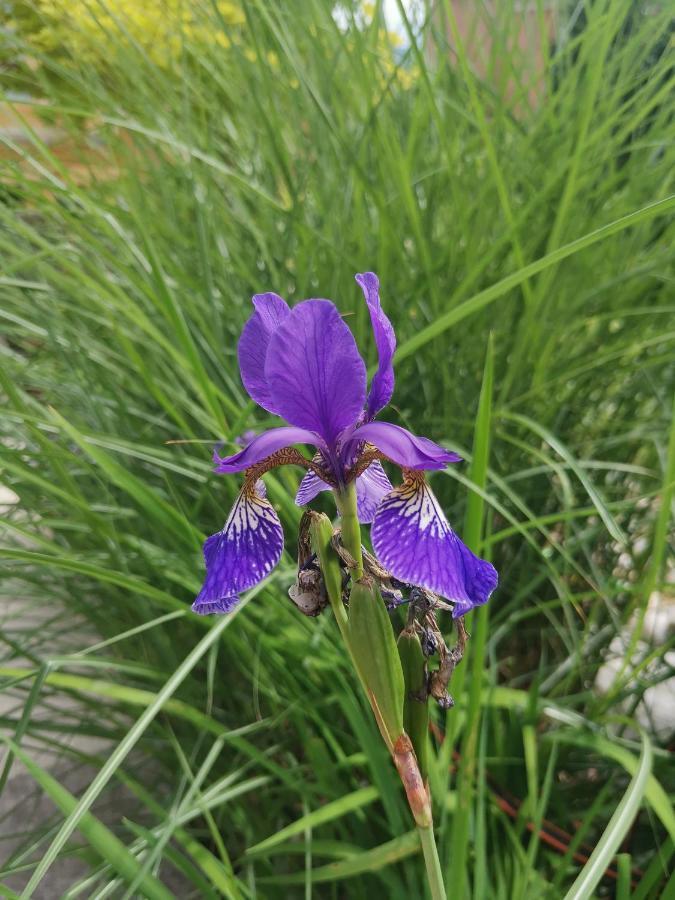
(456, 862)
(616, 829)
(106, 844)
(360, 864)
(494, 292)
(328, 813)
(124, 748)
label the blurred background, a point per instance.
(507, 170)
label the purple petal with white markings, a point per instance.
(215, 607)
(382, 386)
(413, 540)
(371, 486)
(400, 446)
(263, 446)
(316, 376)
(270, 312)
(241, 555)
(310, 486)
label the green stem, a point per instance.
(432, 863)
(397, 741)
(351, 530)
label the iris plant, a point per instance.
(302, 364)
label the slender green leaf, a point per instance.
(622, 819)
(368, 861)
(101, 838)
(328, 813)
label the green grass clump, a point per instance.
(489, 199)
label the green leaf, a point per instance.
(616, 829)
(373, 646)
(477, 624)
(654, 792)
(125, 746)
(328, 813)
(106, 844)
(589, 487)
(497, 290)
(415, 710)
(360, 864)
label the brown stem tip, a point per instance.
(409, 773)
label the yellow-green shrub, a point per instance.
(90, 31)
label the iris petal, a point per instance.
(400, 446)
(371, 486)
(382, 386)
(242, 554)
(270, 312)
(310, 487)
(316, 376)
(263, 446)
(413, 540)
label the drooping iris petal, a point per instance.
(310, 486)
(371, 486)
(242, 554)
(382, 386)
(482, 579)
(263, 446)
(400, 446)
(413, 540)
(213, 607)
(270, 312)
(316, 376)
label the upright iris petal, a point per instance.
(270, 311)
(242, 554)
(316, 376)
(413, 540)
(382, 386)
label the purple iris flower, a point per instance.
(303, 365)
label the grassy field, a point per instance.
(492, 201)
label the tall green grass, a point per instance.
(235, 757)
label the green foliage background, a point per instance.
(298, 156)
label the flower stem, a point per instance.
(351, 530)
(432, 862)
(398, 742)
